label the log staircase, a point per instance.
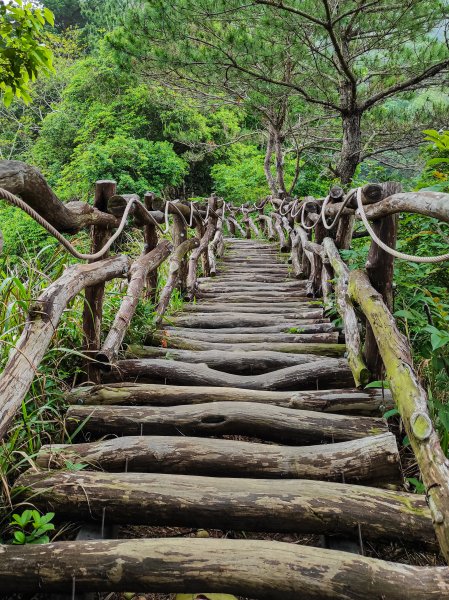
(240, 415)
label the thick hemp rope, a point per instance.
(16, 201)
(395, 253)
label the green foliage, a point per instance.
(436, 174)
(241, 179)
(31, 528)
(23, 50)
(137, 165)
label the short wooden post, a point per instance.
(94, 295)
(379, 267)
(151, 240)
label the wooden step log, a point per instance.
(373, 459)
(163, 337)
(265, 570)
(268, 423)
(249, 568)
(338, 401)
(247, 277)
(292, 506)
(262, 307)
(323, 349)
(252, 298)
(233, 319)
(325, 372)
(283, 286)
(288, 327)
(243, 363)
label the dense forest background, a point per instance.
(185, 98)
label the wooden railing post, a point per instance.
(179, 235)
(151, 239)
(379, 267)
(94, 295)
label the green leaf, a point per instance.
(19, 537)
(390, 413)
(378, 384)
(420, 488)
(49, 16)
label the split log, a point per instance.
(203, 245)
(373, 459)
(233, 319)
(411, 402)
(242, 363)
(326, 371)
(138, 274)
(173, 277)
(27, 182)
(171, 336)
(40, 326)
(347, 313)
(238, 504)
(347, 401)
(269, 423)
(94, 295)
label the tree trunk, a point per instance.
(267, 163)
(351, 147)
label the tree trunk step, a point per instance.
(270, 423)
(373, 460)
(342, 401)
(320, 373)
(297, 506)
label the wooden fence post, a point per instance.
(94, 295)
(151, 240)
(179, 235)
(379, 267)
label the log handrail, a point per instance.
(355, 288)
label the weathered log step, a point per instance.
(269, 423)
(286, 327)
(260, 307)
(291, 506)
(326, 372)
(343, 401)
(232, 319)
(251, 568)
(331, 337)
(373, 459)
(185, 343)
(247, 568)
(287, 285)
(243, 363)
(253, 298)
